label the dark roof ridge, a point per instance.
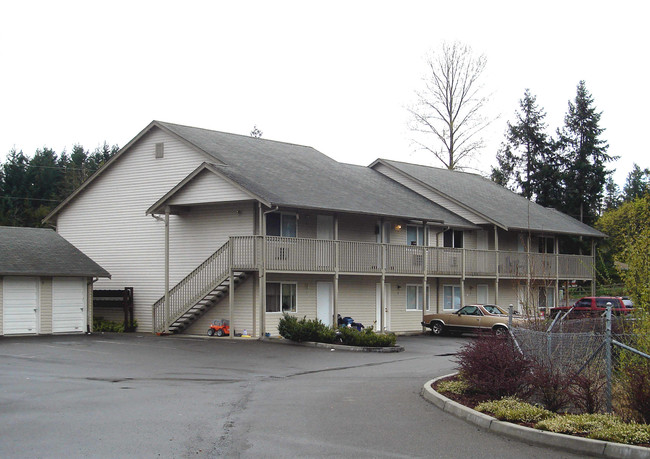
(166, 123)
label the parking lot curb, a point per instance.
(528, 435)
(337, 347)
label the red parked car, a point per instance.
(594, 306)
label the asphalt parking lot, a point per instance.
(136, 395)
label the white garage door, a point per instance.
(68, 304)
(19, 305)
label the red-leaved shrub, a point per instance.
(587, 391)
(636, 383)
(494, 366)
(549, 386)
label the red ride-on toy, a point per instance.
(219, 327)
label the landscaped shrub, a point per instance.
(514, 410)
(492, 365)
(548, 386)
(636, 389)
(587, 391)
(454, 386)
(102, 325)
(299, 330)
(366, 337)
(598, 427)
(577, 423)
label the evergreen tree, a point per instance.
(585, 155)
(527, 161)
(612, 195)
(14, 189)
(637, 183)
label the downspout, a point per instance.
(89, 306)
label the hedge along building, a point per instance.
(208, 225)
(45, 283)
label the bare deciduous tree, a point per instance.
(450, 105)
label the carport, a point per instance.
(45, 283)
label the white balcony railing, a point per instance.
(348, 257)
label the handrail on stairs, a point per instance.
(194, 287)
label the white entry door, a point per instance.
(382, 321)
(325, 302)
(20, 305)
(68, 304)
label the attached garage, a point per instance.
(45, 283)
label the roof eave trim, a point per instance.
(156, 207)
(455, 201)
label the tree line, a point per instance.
(31, 187)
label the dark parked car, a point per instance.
(594, 306)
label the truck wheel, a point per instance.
(437, 328)
(220, 332)
(210, 331)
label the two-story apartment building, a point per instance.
(208, 225)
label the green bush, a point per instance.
(514, 410)
(454, 386)
(102, 325)
(299, 330)
(598, 427)
(366, 337)
(621, 432)
(577, 423)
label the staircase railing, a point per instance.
(194, 287)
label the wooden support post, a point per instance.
(167, 313)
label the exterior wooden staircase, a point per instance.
(199, 291)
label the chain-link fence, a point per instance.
(579, 346)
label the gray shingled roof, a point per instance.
(292, 175)
(495, 202)
(42, 252)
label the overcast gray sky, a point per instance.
(335, 75)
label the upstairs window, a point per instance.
(278, 224)
(414, 235)
(453, 238)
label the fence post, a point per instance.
(510, 312)
(608, 355)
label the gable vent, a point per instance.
(160, 150)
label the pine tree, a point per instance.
(527, 161)
(585, 155)
(637, 183)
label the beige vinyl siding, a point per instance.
(357, 298)
(207, 188)
(107, 221)
(1, 305)
(358, 228)
(306, 225)
(509, 241)
(195, 236)
(305, 296)
(45, 307)
(430, 194)
(401, 319)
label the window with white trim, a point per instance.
(451, 297)
(279, 224)
(414, 235)
(452, 238)
(281, 297)
(414, 298)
